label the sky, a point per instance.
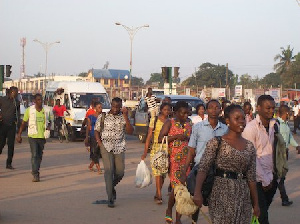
(245, 34)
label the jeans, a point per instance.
(8, 132)
(282, 190)
(265, 199)
(94, 150)
(114, 166)
(36, 147)
(296, 123)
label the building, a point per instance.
(115, 81)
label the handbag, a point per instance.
(209, 180)
(160, 160)
(184, 201)
(254, 220)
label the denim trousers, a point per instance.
(8, 134)
(114, 167)
(265, 199)
(36, 147)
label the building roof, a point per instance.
(110, 73)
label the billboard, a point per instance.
(238, 90)
(275, 93)
(218, 93)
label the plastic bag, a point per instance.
(143, 176)
(184, 202)
(254, 220)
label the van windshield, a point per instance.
(83, 100)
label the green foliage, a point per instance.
(285, 60)
(156, 77)
(271, 79)
(83, 74)
(136, 81)
(211, 75)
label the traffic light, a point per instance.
(8, 70)
(176, 72)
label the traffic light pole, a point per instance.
(1, 77)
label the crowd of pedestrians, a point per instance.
(249, 150)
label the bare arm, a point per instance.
(22, 127)
(198, 199)
(254, 197)
(149, 137)
(87, 131)
(128, 127)
(164, 131)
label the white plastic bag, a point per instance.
(143, 176)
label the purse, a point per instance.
(160, 160)
(209, 180)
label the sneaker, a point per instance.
(10, 167)
(36, 178)
(287, 203)
(111, 204)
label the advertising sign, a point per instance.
(275, 93)
(238, 90)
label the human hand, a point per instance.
(181, 137)
(19, 138)
(86, 141)
(256, 211)
(124, 111)
(182, 178)
(143, 156)
(198, 200)
(267, 188)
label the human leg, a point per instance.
(3, 135)
(41, 145)
(34, 156)
(171, 203)
(119, 163)
(11, 135)
(108, 164)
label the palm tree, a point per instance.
(286, 59)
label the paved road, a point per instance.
(67, 190)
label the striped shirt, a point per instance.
(151, 102)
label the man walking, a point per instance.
(151, 103)
(203, 132)
(10, 116)
(261, 132)
(110, 136)
(38, 122)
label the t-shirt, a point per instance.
(151, 102)
(59, 110)
(296, 110)
(89, 112)
(40, 122)
(93, 120)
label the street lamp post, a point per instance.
(132, 32)
(46, 47)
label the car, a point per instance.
(142, 119)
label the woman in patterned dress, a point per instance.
(178, 130)
(234, 191)
(155, 126)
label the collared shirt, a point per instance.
(113, 133)
(10, 109)
(196, 119)
(285, 131)
(263, 142)
(202, 132)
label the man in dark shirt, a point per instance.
(9, 116)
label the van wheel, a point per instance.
(142, 138)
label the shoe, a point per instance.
(287, 203)
(111, 204)
(100, 202)
(10, 167)
(36, 178)
(114, 194)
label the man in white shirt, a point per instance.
(296, 116)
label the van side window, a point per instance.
(49, 99)
(67, 101)
(143, 106)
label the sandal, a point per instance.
(168, 219)
(158, 200)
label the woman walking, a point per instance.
(178, 130)
(155, 126)
(234, 191)
(90, 137)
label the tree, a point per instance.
(285, 60)
(136, 81)
(246, 81)
(271, 80)
(83, 74)
(156, 78)
(210, 75)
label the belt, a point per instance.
(230, 175)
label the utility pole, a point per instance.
(196, 81)
(227, 94)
